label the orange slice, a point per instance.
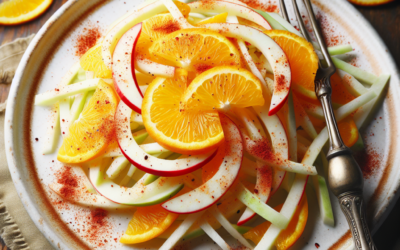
(370, 2)
(196, 50)
(340, 94)
(92, 61)
(220, 18)
(348, 130)
(302, 58)
(290, 235)
(91, 133)
(14, 12)
(179, 130)
(223, 87)
(147, 223)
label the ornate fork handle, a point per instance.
(345, 178)
(352, 205)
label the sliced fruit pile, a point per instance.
(185, 111)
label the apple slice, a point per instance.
(138, 195)
(149, 67)
(209, 193)
(271, 50)
(145, 162)
(84, 193)
(123, 71)
(233, 9)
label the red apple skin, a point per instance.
(168, 173)
(118, 90)
(222, 117)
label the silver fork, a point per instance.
(345, 178)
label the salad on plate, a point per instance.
(195, 115)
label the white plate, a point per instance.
(51, 54)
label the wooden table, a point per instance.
(385, 19)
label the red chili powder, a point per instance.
(330, 33)
(280, 83)
(167, 27)
(86, 40)
(69, 181)
(369, 161)
(262, 149)
(264, 180)
(262, 5)
(200, 68)
(317, 245)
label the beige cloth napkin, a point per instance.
(16, 227)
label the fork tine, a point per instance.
(331, 67)
(283, 10)
(300, 21)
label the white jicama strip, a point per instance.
(291, 124)
(340, 49)
(303, 119)
(65, 117)
(89, 75)
(233, 9)
(289, 27)
(313, 110)
(214, 235)
(180, 231)
(321, 189)
(137, 118)
(77, 106)
(128, 176)
(262, 209)
(353, 105)
(52, 133)
(360, 74)
(113, 36)
(118, 164)
(88, 97)
(362, 114)
(52, 96)
(147, 66)
(197, 15)
(228, 227)
(177, 14)
(153, 148)
(352, 85)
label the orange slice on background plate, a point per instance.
(90, 135)
(196, 50)
(370, 2)
(147, 223)
(302, 58)
(290, 235)
(14, 12)
(92, 61)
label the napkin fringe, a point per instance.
(9, 231)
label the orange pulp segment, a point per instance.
(147, 223)
(90, 135)
(348, 130)
(92, 61)
(302, 58)
(196, 50)
(221, 88)
(220, 18)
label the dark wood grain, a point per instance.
(386, 21)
